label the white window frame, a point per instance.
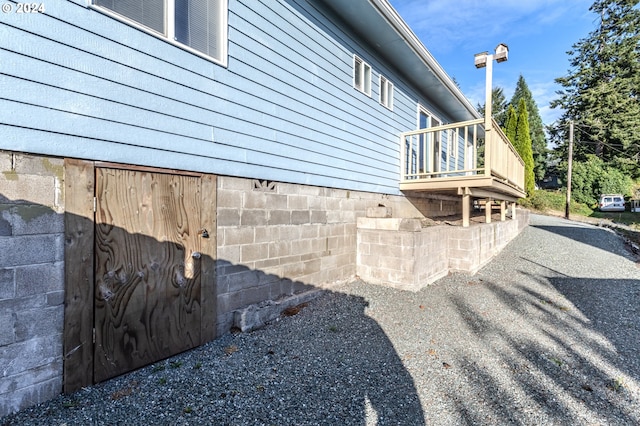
(433, 119)
(433, 159)
(170, 28)
(386, 92)
(363, 70)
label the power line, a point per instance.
(598, 141)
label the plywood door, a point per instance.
(147, 268)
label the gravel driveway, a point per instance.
(548, 333)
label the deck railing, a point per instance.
(460, 149)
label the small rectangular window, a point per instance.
(386, 92)
(198, 25)
(361, 75)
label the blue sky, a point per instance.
(538, 33)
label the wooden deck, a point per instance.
(463, 159)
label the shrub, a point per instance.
(544, 201)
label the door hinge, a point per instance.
(95, 204)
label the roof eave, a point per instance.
(395, 20)
(405, 52)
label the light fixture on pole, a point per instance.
(482, 60)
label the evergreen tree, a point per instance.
(523, 146)
(517, 130)
(498, 106)
(510, 125)
(536, 128)
(601, 92)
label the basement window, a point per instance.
(199, 26)
(386, 92)
(361, 75)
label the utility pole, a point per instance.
(569, 166)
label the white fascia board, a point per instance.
(396, 21)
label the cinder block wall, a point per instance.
(386, 251)
(399, 253)
(472, 248)
(31, 279)
(278, 239)
(432, 260)
(464, 248)
(429, 205)
(410, 257)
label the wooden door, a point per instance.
(147, 294)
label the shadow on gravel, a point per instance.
(612, 308)
(303, 369)
(564, 365)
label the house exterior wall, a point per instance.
(77, 83)
(81, 84)
(275, 241)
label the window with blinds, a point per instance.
(198, 24)
(361, 75)
(386, 92)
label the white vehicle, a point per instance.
(611, 203)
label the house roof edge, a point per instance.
(392, 16)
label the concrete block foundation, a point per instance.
(402, 254)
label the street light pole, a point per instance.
(482, 60)
(488, 122)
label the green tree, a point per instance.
(517, 130)
(601, 91)
(510, 125)
(536, 128)
(523, 146)
(498, 106)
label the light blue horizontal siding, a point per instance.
(22, 138)
(91, 109)
(277, 72)
(75, 82)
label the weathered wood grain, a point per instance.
(78, 306)
(147, 286)
(209, 247)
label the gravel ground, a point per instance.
(547, 334)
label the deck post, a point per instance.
(503, 211)
(466, 208)
(513, 211)
(487, 210)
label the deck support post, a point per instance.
(513, 211)
(466, 208)
(503, 211)
(487, 210)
